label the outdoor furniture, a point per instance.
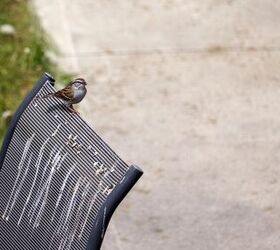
(59, 181)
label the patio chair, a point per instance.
(59, 181)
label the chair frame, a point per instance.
(114, 198)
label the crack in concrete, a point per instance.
(209, 50)
(67, 34)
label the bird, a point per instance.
(73, 93)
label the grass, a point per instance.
(22, 57)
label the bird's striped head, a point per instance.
(79, 83)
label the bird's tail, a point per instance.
(48, 95)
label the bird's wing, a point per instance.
(66, 94)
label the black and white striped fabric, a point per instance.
(56, 175)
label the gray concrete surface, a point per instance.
(188, 90)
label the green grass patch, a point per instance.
(22, 56)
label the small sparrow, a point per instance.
(73, 93)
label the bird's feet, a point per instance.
(73, 111)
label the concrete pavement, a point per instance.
(188, 90)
